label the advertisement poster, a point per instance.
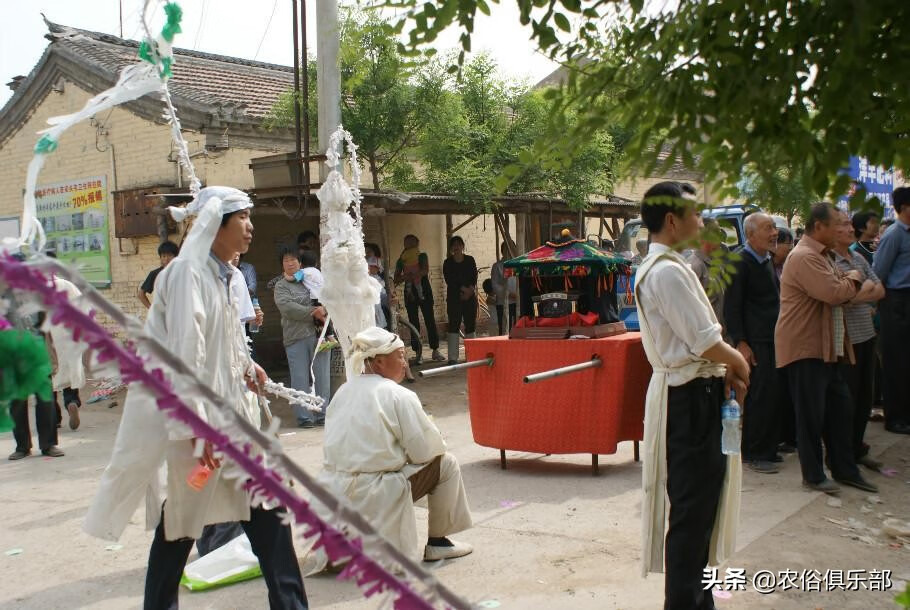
(74, 215)
(878, 182)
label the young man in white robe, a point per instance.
(193, 315)
(694, 370)
(383, 453)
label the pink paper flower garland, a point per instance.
(263, 483)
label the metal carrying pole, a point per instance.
(488, 361)
(593, 363)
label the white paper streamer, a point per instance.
(349, 294)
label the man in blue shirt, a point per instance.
(892, 266)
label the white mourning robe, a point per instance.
(192, 316)
(70, 370)
(376, 436)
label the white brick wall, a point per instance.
(134, 153)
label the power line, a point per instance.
(199, 29)
(267, 25)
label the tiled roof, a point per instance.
(239, 88)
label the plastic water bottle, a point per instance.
(731, 437)
(254, 328)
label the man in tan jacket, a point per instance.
(810, 339)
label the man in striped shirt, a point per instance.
(858, 314)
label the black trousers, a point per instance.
(824, 412)
(500, 312)
(462, 311)
(45, 421)
(69, 395)
(695, 475)
(271, 542)
(786, 411)
(429, 318)
(895, 333)
(216, 536)
(860, 378)
(761, 415)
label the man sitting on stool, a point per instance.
(383, 453)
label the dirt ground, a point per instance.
(547, 534)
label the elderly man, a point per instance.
(193, 316)
(751, 308)
(383, 453)
(810, 339)
(892, 265)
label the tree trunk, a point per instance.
(374, 172)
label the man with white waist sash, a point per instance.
(694, 370)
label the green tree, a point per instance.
(486, 127)
(782, 192)
(727, 84)
(386, 101)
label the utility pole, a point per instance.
(328, 80)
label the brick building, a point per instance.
(222, 103)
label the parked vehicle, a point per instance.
(731, 219)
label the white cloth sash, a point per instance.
(654, 467)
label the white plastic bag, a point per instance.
(233, 562)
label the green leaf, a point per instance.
(562, 22)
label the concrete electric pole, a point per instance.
(328, 82)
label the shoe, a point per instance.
(54, 451)
(898, 428)
(778, 458)
(73, 410)
(869, 463)
(320, 423)
(859, 483)
(306, 424)
(437, 357)
(786, 448)
(417, 361)
(458, 549)
(762, 466)
(18, 455)
(827, 486)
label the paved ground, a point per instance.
(547, 534)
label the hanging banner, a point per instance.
(74, 215)
(878, 182)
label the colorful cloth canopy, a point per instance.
(573, 257)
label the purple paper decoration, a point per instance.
(264, 482)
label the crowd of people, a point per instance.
(777, 310)
(797, 336)
(800, 331)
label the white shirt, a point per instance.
(313, 280)
(240, 294)
(682, 328)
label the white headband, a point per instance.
(209, 206)
(373, 342)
